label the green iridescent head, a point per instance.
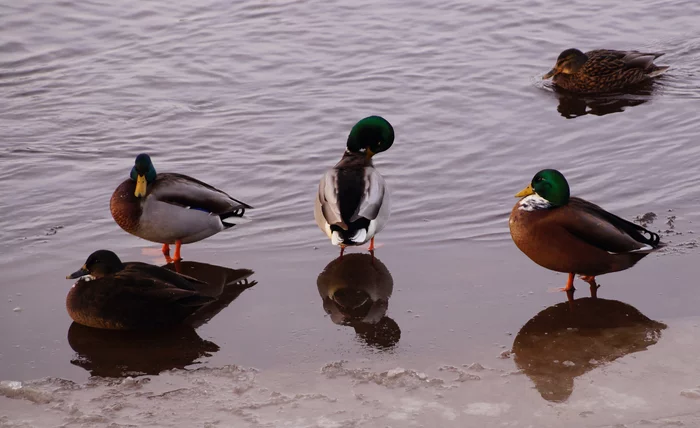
(551, 185)
(372, 134)
(143, 173)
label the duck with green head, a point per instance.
(603, 70)
(171, 208)
(571, 235)
(352, 203)
(110, 294)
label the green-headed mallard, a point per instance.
(171, 208)
(571, 235)
(603, 70)
(131, 296)
(352, 204)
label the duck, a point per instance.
(352, 204)
(171, 208)
(571, 235)
(603, 70)
(113, 295)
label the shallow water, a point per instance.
(257, 99)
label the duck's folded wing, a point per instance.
(152, 289)
(176, 295)
(592, 224)
(184, 191)
(373, 196)
(642, 60)
(149, 276)
(328, 198)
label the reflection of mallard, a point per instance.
(222, 283)
(572, 105)
(137, 296)
(560, 344)
(603, 70)
(355, 289)
(114, 353)
(125, 353)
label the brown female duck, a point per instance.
(113, 295)
(603, 70)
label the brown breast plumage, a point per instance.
(126, 207)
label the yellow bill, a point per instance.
(525, 192)
(369, 153)
(140, 186)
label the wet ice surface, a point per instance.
(650, 388)
(257, 98)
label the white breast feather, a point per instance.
(533, 202)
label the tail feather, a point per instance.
(658, 71)
(348, 237)
(231, 214)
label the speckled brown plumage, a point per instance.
(607, 70)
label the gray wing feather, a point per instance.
(373, 197)
(188, 192)
(638, 60)
(328, 197)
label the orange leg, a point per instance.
(342, 250)
(570, 291)
(166, 253)
(178, 244)
(594, 286)
(569, 284)
(371, 244)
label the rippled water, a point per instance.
(258, 98)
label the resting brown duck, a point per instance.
(113, 295)
(603, 70)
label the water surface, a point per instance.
(258, 98)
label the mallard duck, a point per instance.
(171, 208)
(352, 204)
(571, 235)
(113, 295)
(603, 70)
(355, 290)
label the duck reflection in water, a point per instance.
(572, 105)
(558, 344)
(355, 289)
(115, 353)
